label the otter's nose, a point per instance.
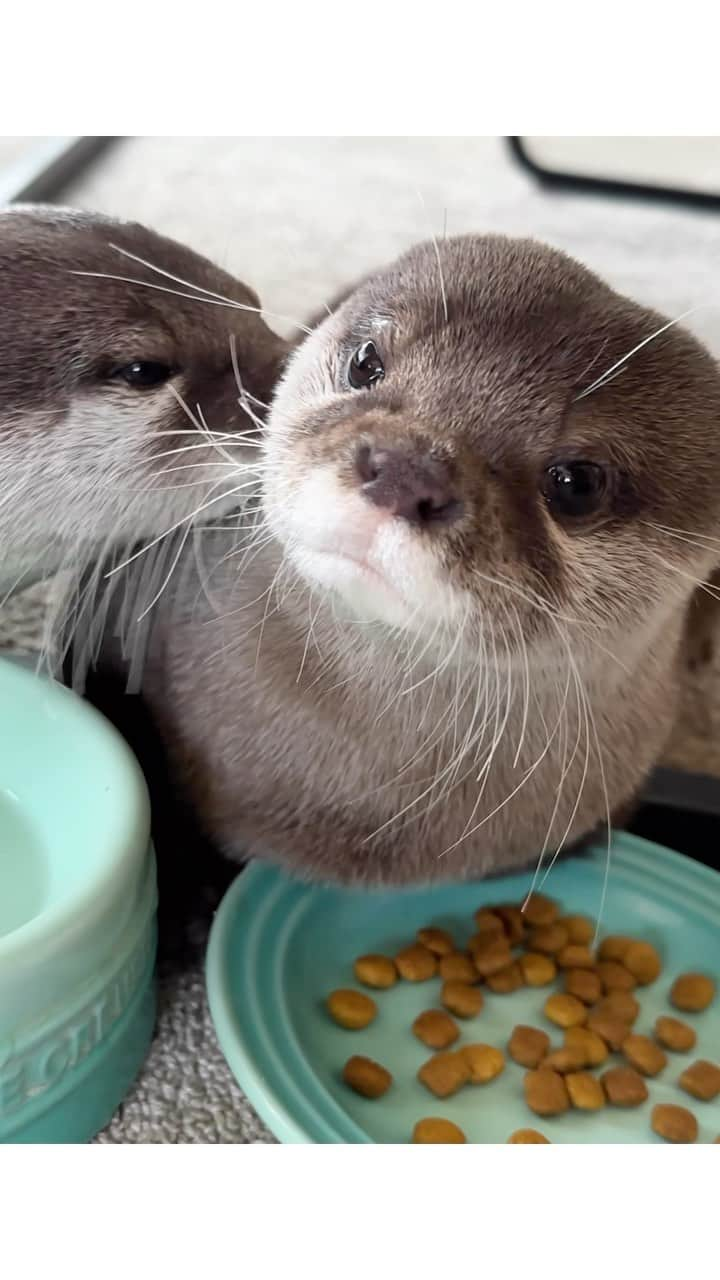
(415, 487)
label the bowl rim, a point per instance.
(45, 932)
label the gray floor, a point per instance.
(296, 218)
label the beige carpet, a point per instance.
(296, 218)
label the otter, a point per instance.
(450, 640)
(104, 362)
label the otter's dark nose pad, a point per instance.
(410, 486)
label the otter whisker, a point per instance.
(669, 324)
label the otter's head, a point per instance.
(484, 433)
(110, 372)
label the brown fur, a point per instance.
(83, 456)
(325, 716)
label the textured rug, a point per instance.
(297, 218)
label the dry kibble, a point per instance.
(675, 1035)
(619, 1004)
(351, 1009)
(644, 1054)
(537, 970)
(615, 977)
(583, 984)
(367, 1077)
(540, 910)
(643, 962)
(574, 956)
(435, 1129)
(416, 963)
(702, 1080)
(528, 1136)
(528, 1046)
(579, 929)
(569, 1058)
(692, 992)
(565, 1011)
(614, 948)
(436, 940)
(513, 921)
(488, 923)
(483, 1061)
(545, 1093)
(585, 1090)
(444, 1074)
(462, 999)
(611, 1029)
(590, 1043)
(376, 971)
(549, 940)
(457, 967)
(505, 981)
(436, 1029)
(492, 956)
(624, 1087)
(674, 1124)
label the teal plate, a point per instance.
(278, 946)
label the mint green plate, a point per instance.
(279, 946)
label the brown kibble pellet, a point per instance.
(416, 963)
(444, 1074)
(528, 1046)
(351, 1009)
(436, 1029)
(624, 1087)
(644, 1054)
(484, 1062)
(513, 921)
(545, 1093)
(462, 999)
(540, 910)
(528, 1136)
(569, 1058)
(674, 1124)
(583, 984)
(702, 1080)
(457, 967)
(574, 956)
(611, 1029)
(614, 948)
(643, 962)
(436, 940)
(549, 939)
(488, 923)
(505, 981)
(592, 1045)
(675, 1035)
(376, 971)
(619, 1004)
(565, 1011)
(579, 929)
(367, 1077)
(615, 977)
(435, 1129)
(493, 956)
(692, 992)
(585, 1090)
(537, 970)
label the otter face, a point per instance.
(108, 383)
(436, 455)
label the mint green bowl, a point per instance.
(77, 914)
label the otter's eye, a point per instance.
(144, 374)
(574, 489)
(365, 367)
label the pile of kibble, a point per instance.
(531, 946)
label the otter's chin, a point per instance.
(363, 592)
